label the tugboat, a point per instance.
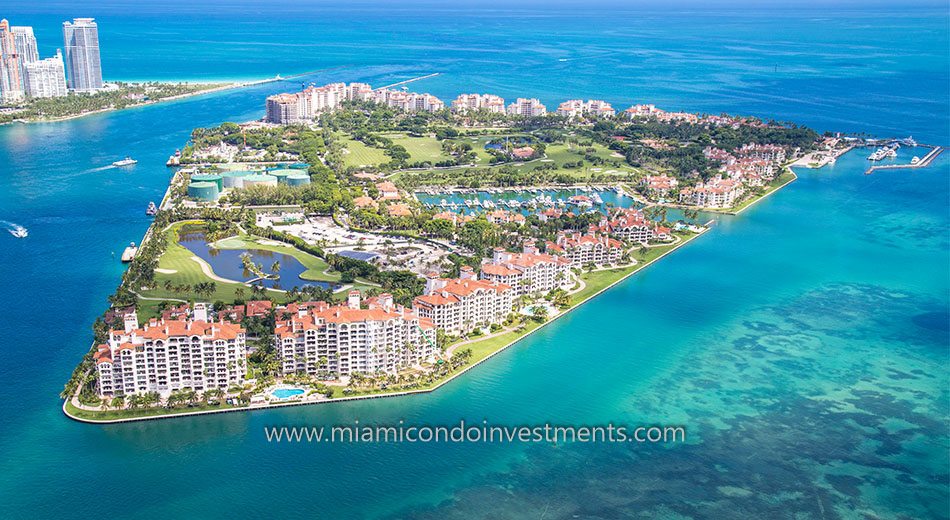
(128, 161)
(152, 209)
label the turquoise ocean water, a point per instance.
(804, 344)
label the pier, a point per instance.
(922, 163)
(406, 82)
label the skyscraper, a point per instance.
(25, 43)
(11, 86)
(83, 70)
(45, 78)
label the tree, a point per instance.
(539, 313)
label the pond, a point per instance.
(227, 263)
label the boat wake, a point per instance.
(14, 229)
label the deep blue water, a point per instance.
(804, 343)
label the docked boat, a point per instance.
(915, 160)
(129, 252)
(152, 209)
(128, 161)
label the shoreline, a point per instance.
(218, 87)
(637, 269)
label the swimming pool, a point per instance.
(286, 393)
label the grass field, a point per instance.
(361, 155)
(420, 148)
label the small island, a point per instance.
(360, 243)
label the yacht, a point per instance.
(128, 161)
(152, 209)
(19, 232)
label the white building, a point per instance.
(591, 248)
(308, 104)
(629, 224)
(25, 44)
(341, 340)
(715, 193)
(165, 356)
(46, 78)
(466, 102)
(529, 272)
(527, 108)
(578, 107)
(83, 68)
(457, 306)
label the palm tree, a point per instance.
(275, 267)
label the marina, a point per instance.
(527, 200)
(915, 162)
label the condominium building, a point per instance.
(25, 44)
(11, 83)
(459, 305)
(527, 108)
(164, 356)
(489, 102)
(578, 107)
(714, 193)
(590, 248)
(628, 224)
(283, 109)
(340, 340)
(765, 152)
(642, 111)
(658, 186)
(528, 272)
(309, 103)
(45, 78)
(81, 43)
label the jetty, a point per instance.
(922, 163)
(406, 82)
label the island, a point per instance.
(115, 96)
(361, 243)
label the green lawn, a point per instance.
(362, 155)
(420, 148)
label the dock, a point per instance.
(922, 163)
(129, 253)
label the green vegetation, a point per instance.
(360, 155)
(126, 95)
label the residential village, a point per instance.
(425, 238)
